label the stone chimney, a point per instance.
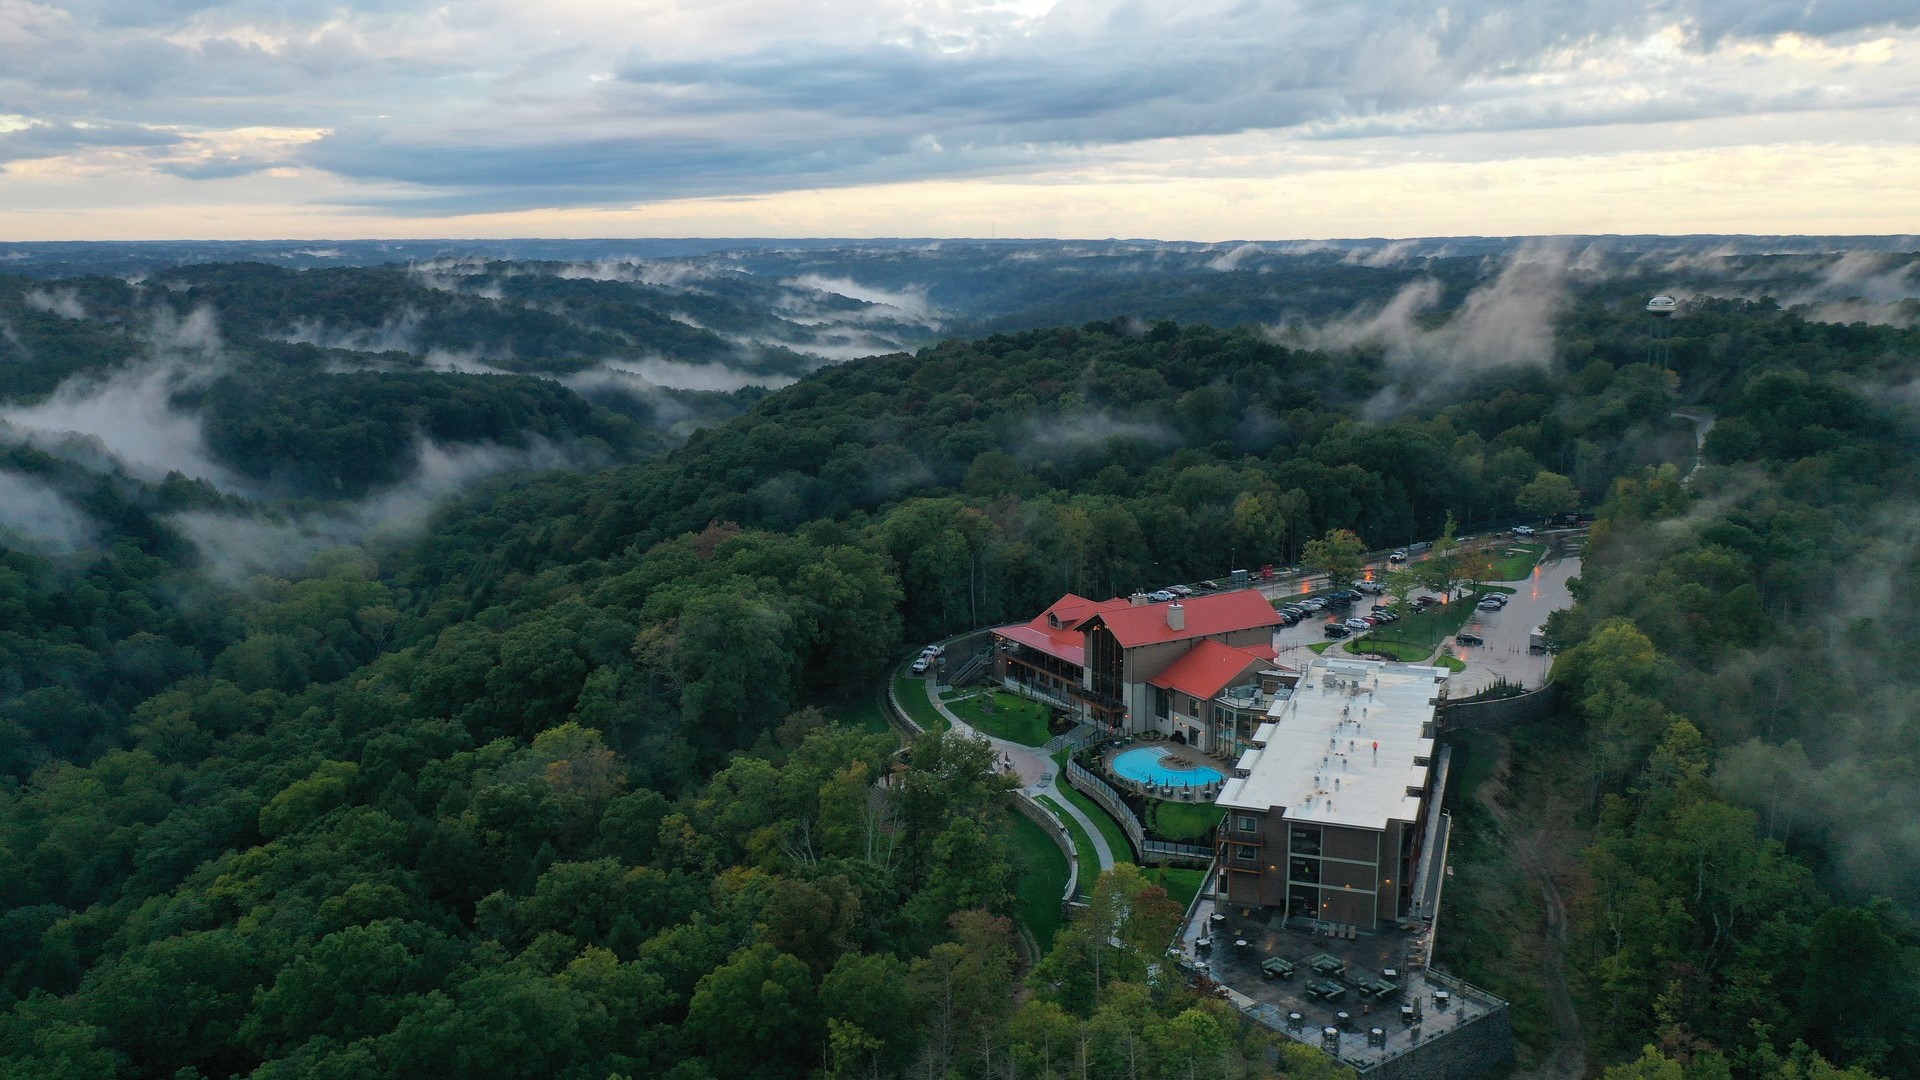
(1176, 616)
(1138, 599)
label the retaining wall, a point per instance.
(1044, 818)
(1502, 712)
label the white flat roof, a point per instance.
(1318, 760)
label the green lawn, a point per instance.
(1082, 843)
(1181, 883)
(1183, 822)
(1515, 561)
(912, 691)
(1451, 663)
(1320, 646)
(866, 713)
(1015, 718)
(1109, 828)
(1399, 650)
(1039, 879)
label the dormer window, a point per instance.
(1053, 620)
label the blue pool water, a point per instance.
(1150, 765)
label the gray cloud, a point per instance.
(459, 109)
(35, 513)
(62, 302)
(238, 546)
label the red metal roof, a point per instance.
(1206, 616)
(1210, 667)
(1064, 642)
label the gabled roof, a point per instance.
(1222, 613)
(1210, 667)
(1056, 631)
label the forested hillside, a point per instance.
(542, 790)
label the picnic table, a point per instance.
(1273, 967)
(1328, 965)
(1326, 990)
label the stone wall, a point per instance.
(1465, 1051)
(1502, 713)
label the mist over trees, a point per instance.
(541, 785)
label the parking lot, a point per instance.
(1505, 653)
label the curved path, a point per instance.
(1038, 775)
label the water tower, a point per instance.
(1659, 352)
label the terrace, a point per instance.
(1365, 998)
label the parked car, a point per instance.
(1336, 631)
(1399, 555)
(1373, 587)
(1208, 586)
(1468, 637)
(1424, 601)
(1490, 604)
(922, 663)
(1358, 624)
(1523, 530)
(1314, 604)
(934, 650)
(1180, 590)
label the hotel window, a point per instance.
(1247, 853)
(1248, 823)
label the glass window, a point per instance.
(1248, 824)
(1247, 853)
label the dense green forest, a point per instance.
(546, 790)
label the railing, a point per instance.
(1038, 694)
(1148, 851)
(1081, 735)
(971, 670)
(1110, 801)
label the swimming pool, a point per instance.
(1153, 765)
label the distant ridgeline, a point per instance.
(514, 758)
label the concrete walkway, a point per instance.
(1038, 775)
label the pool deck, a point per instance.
(1178, 756)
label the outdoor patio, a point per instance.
(1355, 983)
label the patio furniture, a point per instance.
(1326, 991)
(1377, 989)
(1328, 965)
(1273, 967)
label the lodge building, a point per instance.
(1139, 666)
(1327, 810)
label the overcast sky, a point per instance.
(1174, 119)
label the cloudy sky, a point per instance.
(1175, 119)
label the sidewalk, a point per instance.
(1038, 775)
